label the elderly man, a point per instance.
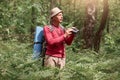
(56, 37)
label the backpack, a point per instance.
(38, 41)
(39, 47)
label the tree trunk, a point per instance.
(74, 8)
(60, 2)
(98, 34)
(108, 30)
(52, 4)
(32, 19)
(89, 24)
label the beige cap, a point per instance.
(55, 11)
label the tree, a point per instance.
(52, 3)
(90, 39)
(98, 34)
(89, 24)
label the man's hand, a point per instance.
(68, 32)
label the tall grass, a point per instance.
(16, 64)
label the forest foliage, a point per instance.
(18, 19)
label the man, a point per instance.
(56, 40)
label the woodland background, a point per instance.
(94, 54)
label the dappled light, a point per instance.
(94, 53)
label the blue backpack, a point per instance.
(38, 42)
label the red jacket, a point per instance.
(56, 41)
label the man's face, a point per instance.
(58, 18)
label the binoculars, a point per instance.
(75, 30)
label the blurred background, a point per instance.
(97, 43)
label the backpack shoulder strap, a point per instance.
(52, 28)
(62, 27)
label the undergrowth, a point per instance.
(16, 64)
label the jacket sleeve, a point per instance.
(50, 39)
(68, 40)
